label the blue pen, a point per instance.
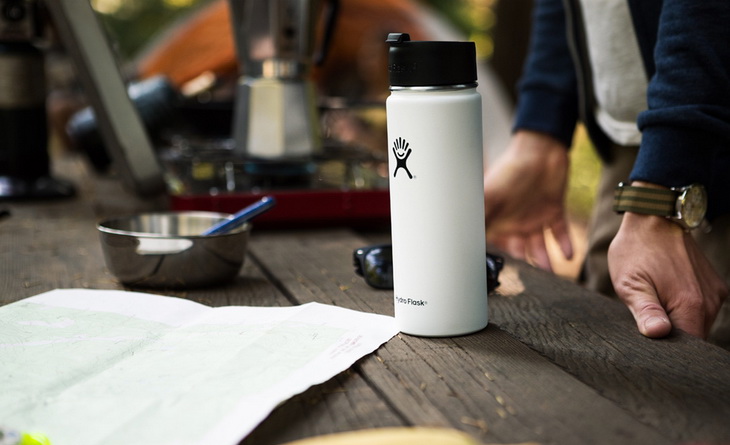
(242, 216)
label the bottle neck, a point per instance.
(465, 86)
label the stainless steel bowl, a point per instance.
(167, 250)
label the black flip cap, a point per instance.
(425, 63)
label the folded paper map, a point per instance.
(114, 367)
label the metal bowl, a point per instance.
(166, 250)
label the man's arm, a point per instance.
(686, 130)
(548, 89)
(525, 188)
(656, 267)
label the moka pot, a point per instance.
(275, 114)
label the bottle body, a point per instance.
(437, 210)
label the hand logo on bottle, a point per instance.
(401, 150)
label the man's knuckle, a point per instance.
(687, 303)
(630, 285)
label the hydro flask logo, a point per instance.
(401, 150)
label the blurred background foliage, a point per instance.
(475, 18)
(499, 29)
(132, 23)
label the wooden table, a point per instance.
(557, 364)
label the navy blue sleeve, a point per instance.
(548, 92)
(686, 129)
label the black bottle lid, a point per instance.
(427, 63)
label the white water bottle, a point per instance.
(435, 160)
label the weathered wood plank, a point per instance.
(317, 266)
(344, 403)
(508, 393)
(47, 246)
(51, 244)
(424, 378)
(680, 384)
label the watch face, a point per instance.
(692, 205)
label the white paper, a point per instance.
(114, 367)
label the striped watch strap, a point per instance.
(644, 200)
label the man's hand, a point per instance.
(524, 192)
(659, 272)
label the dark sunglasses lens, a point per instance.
(378, 267)
(375, 264)
(494, 266)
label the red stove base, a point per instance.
(301, 208)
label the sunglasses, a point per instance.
(375, 265)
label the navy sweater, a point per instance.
(686, 50)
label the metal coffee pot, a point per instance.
(275, 115)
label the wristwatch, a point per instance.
(684, 205)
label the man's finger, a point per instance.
(515, 247)
(651, 319)
(654, 323)
(538, 251)
(562, 235)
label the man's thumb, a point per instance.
(651, 319)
